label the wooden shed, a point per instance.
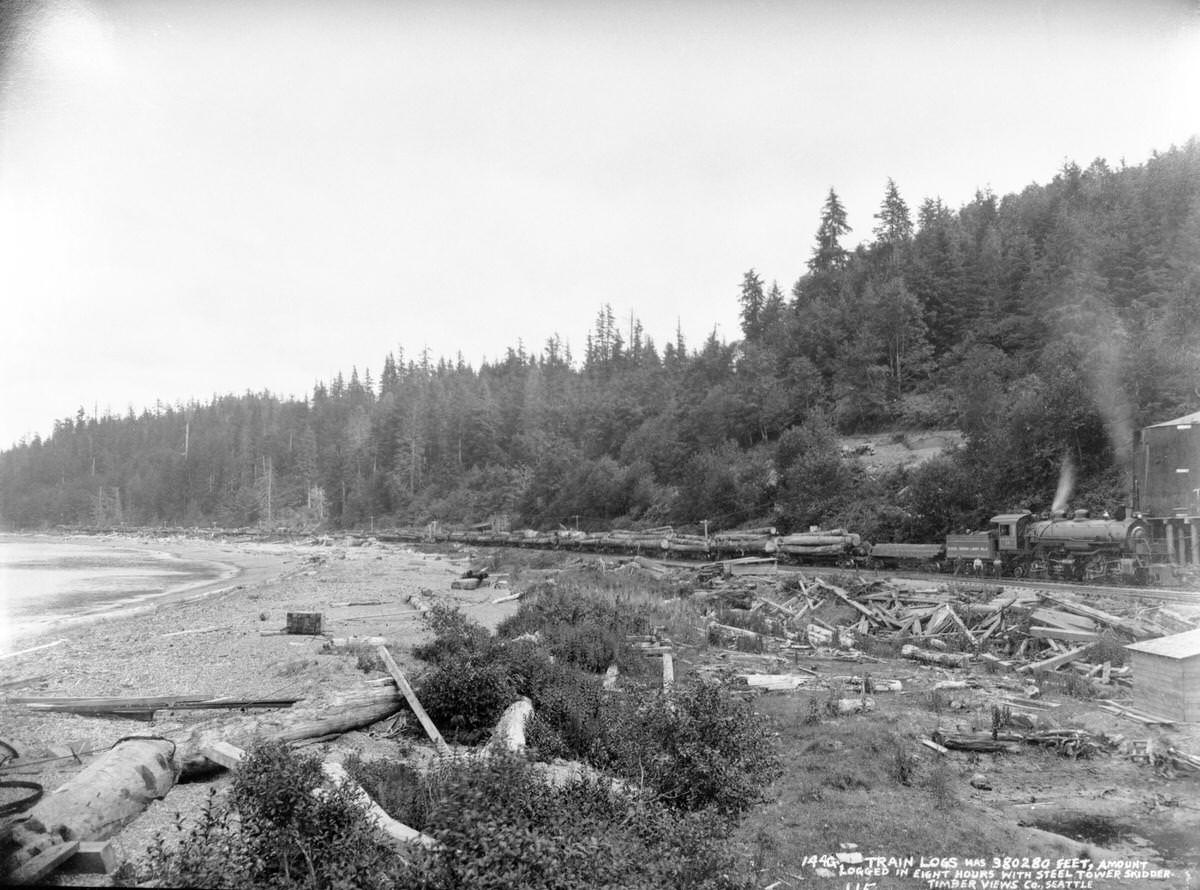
(1166, 676)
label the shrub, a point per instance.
(274, 831)
(464, 696)
(501, 827)
(699, 748)
(580, 626)
(455, 635)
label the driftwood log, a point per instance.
(337, 714)
(100, 800)
(946, 659)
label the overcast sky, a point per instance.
(210, 197)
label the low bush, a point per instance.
(581, 628)
(699, 748)
(273, 831)
(696, 749)
(499, 827)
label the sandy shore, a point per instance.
(221, 640)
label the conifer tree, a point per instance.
(829, 255)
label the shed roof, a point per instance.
(1184, 645)
(1179, 421)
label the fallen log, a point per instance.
(776, 682)
(101, 800)
(946, 659)
(336, 714)
(1056, 661)
(978, 744)
(395, 830)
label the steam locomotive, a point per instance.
(1076, 548)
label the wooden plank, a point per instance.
(930, 743)
(413, 701)
(959, 624)
(229, 756)
(92, 858)
(1062, 633)
(1056, 661)
(668, 671)
(841, 594)
(44, 863)
(196, 630)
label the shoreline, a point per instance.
(223, 638)
(239, 569)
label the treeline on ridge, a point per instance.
(1044, 324)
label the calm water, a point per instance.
(47, 577)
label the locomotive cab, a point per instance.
(1009, 529)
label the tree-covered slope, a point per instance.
(1045, 325)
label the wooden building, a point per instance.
(1166, 487)
(1166, 676)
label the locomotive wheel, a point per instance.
(1018, 570)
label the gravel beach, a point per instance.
(221, 639)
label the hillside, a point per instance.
(1043, 324)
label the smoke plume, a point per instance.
(1066, 485)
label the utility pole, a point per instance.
(705, 521)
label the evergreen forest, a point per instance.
(1046, 326)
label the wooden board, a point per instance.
(413, 701)
(44, 863)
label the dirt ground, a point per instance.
(860, 801)
(889, 451)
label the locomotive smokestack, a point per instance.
(1066, 485)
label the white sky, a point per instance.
(210, 197)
